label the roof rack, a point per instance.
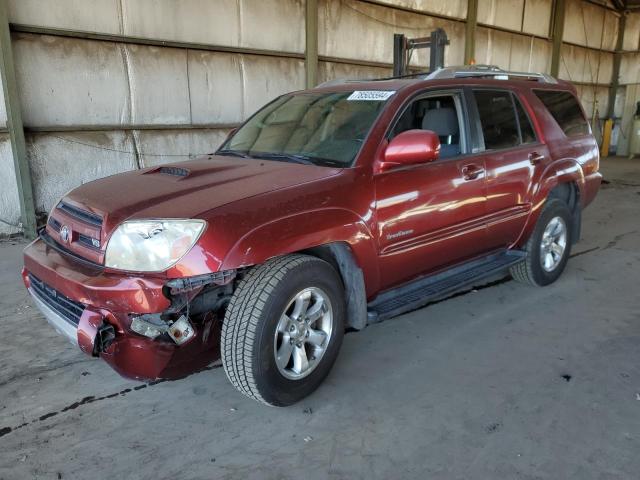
(466, 71)
(486, 71)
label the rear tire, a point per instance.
(283, 329)
(548, 248)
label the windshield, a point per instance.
(318, 128)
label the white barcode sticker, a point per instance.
(371, 95)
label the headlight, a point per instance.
(151, 245)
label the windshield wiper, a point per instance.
(287, 157)
(292, 157)
(233, 153)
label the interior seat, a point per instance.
(444, 122)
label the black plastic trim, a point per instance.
(53, 223)
(87, 241)
(82, 215)
(427, 289)
(67, 308)
(50, 242)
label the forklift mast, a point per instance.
(403, 47)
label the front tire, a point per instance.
(283, 329)
(548, 248)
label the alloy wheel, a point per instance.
(554, 244)
(303, 333)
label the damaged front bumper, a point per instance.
(62, 325)
(94, 309)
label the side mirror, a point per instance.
(410, 148)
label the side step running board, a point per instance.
(428, 289)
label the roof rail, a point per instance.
(465, 71)
(334, 82)
(486, 71)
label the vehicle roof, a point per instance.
(399, 84)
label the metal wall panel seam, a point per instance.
(413, 10)
(135, 151)
(100, 128)
(105, 37)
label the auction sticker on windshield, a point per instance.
(371, 95)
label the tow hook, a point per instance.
(105, 336)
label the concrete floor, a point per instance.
(503, 382)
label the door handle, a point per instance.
(535, 158)
(471, 172)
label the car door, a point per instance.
(512, 151)
(431, 215)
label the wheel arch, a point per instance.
(335, 235)
(340, 256)
(569, 192)
(563, 179)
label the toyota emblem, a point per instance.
(65, 234)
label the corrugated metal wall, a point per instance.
(113, 85)
(629, 95)
(9, 200)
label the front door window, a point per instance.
(440, 114)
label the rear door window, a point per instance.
(566, 111)
(498, 119)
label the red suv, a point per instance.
(328, 209)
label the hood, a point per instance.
(188, 189)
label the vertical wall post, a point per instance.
(470, 32)
(14, 125)
(311, 50)
(617, 61)
(557, 34)
(399, 54)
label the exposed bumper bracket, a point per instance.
(105, 336)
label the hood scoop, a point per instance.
(172, 171)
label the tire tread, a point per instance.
(243, 317)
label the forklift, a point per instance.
(404, 47)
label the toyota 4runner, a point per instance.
(328, 209)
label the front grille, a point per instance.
(82, 215)
(84, 240)
(53, 223)
(69, 309)
(50, 242)
(88, 241)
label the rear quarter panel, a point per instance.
(570, 159)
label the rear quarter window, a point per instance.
(566, 111)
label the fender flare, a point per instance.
(340, 255)
(566, 170)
